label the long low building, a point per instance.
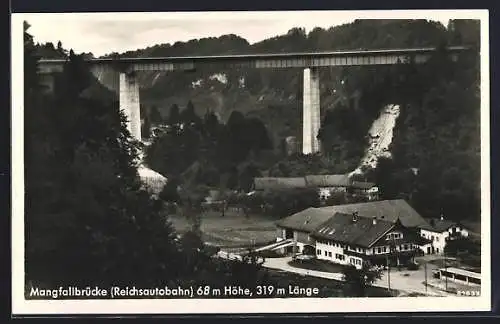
(326, 185)
(379, 231)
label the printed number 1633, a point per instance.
(468, 292)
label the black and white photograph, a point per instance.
(250, 162)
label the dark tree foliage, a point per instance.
(88, 220)
(201, 150)
(188, 115)
(155, 115)
(358, 280)
(461, 246)
(174, 116)
(146, 124)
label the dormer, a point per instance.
(394, 235)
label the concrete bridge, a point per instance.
(125, 72)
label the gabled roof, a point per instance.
(269, 183)
(389, 210)
(328, 180)
(438, 225)
(306, 220)
(408, 237)
(362, 232)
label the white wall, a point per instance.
(333, 250)
(439, 239)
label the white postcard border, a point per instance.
(20, 306)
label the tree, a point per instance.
(357, 280)
(146, 126)
(85, 195)
(462, 245)
(170, 191)
(156, 117)
(174, 116)
(212, 125)
(247, 176)
(188, 115)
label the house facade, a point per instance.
(350, 239)
(439, 231)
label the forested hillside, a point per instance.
(88, 221)
(436, 164)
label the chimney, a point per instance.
(374, 220)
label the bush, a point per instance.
(413, 266)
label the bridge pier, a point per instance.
(311, 112)
(130, 103)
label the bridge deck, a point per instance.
(284, 56)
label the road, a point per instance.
(412, 283)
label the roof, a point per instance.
(462, 272)
(267, 183)
(362, 185)
(389, 210)
(438, 225)
(328, 180)
(306, 221)
(342, 228)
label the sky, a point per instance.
(103, 33)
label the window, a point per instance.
(330, 254)
(432, 237)
(318, 252)
(326, 253)
(385, 249)
(379, 250)
(474, 280)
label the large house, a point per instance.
(353, 233)
(350, 239)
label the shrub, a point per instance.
(412, 266)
